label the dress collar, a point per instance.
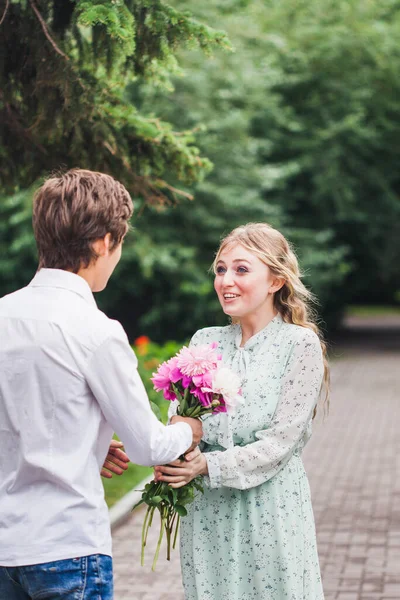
(58, 278)
(268, 332)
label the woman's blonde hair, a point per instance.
(293, 301)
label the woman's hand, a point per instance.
(116, 460)
(181, 472)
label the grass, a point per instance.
(372, 311)
(120, 485)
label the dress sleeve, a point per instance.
(244, 467)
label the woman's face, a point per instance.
(244, 284)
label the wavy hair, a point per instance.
(293, 301)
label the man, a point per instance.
(68, 380)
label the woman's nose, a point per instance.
(228, 278)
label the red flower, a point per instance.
(142, 344)
(143, 340)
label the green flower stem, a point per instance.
(173, 513)
(160, 537)
(168, 532)
(184, 403)
(176, 532)
(148, 523)
(196, 411)
(151, 519)
(144, 535)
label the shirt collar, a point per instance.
(268, 332)
(58, 278)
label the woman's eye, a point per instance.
(220, 270)
(242, 270)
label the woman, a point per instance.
(251, 535)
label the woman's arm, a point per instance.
(249, 466)
(244, 467)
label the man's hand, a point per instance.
(181, 472)
(197, 429)
(116, 460)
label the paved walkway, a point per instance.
(353, 462)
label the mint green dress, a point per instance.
(251, 536)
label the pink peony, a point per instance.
(203, 381)
(186, 381)
(174, 374)
(168, 395)
(198, 360)
(205, 398)
(167, 372)
(161, 380)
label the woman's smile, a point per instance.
(229, 297)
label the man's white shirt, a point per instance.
(68, 380)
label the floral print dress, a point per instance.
(251, 536)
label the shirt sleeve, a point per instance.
(244, 467)
(115, 382)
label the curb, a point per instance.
(122, 509)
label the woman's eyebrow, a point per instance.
(235, 261)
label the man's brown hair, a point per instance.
(71, 211)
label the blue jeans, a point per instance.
(85, 578)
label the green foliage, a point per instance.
(63, 73)
(226, 95)
(17, 247)
(330, 131)
(300, 122)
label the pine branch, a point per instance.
(5, 12)
(175, 191)
(46, 31)
(11, 118)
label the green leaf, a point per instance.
(181, 510)
(137, 504)
(198, 486)
(156, 410)
(172, 496)
(155, 500)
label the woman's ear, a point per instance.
(277, 284)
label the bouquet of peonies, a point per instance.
(197, 378)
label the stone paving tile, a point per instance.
(354, 471)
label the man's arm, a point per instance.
(114, 381)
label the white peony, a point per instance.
(227, 383)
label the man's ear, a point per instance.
(102, 245)
(107, 243)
